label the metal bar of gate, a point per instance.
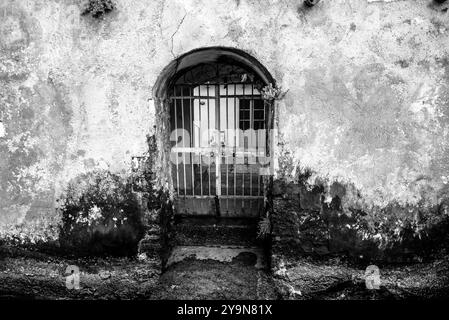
(176, 129)
(208, 134)
(199, 144)
(250, 166)
(224, 196)
(191, 143)
(235, 148)
(227, 144)
(263, 126)
(238, 96)
(218, 141)
(243, 171)
(183, 143)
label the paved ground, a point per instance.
(335, 280)
(209, 279)
(237, 276)
(37, 276)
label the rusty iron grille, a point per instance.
(218, 137)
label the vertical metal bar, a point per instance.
(183, 144)
(192, 129)
(218, 138)
(208, 132)
(199, 146)
(176, 128)
(244, 168)
(250, 165)
(251, 125)
(235, 148)
(264, 127)
(227, 146)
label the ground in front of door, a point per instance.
(38, 276)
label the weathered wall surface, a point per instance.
(369, 97)
(367, 100)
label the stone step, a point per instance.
(215, 231)
(253, 256)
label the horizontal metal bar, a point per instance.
(255, 97)
(226, 151)
(240, 197)
(180, 197)
(195, 84)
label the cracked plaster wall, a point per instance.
(367, 101)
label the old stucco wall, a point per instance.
(367, 81)
(368, 93)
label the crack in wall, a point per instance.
(174, 33)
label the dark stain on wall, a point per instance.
(100, 216)
(304, 224)
(98, 8)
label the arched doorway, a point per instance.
(210, 102)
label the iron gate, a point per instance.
(218, 140)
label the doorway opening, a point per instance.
(218, 124)
(210, 101)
